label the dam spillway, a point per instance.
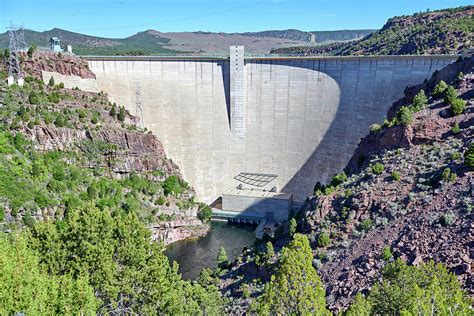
(300, 118)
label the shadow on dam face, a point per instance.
(304, 116)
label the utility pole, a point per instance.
(17, 44)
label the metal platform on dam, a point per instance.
(300, 117)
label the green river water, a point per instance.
(195, 254)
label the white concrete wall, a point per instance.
(304, 116)
(71, 81)
(257, 206)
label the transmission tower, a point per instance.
(138, 106)
(17, 45)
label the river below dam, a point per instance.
(194, 254)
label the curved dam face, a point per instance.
(297, 118)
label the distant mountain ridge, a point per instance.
(155, 42)
(319, 37)
(447, 31)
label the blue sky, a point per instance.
(121, 18)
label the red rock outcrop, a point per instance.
(64, 64)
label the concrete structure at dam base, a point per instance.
(272, 206)
(299, 118)
(265, 208)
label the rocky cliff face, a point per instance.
(410, 196)
(136, 152)
(64, 64)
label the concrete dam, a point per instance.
(296, 120)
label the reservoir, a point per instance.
(192, 255)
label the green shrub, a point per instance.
(366, 225)
(172, 186)
(377, 168)
(3, 73)
(28, 220)
(456, 129)
(395, 175)
(58, 172)
(469, 156)
(456, 156)
(375, 128)
(51, 82)
(387, 253)
(405, 116)
(33, 98)
(450, 94)
(348, 193)
(324, 239)
(54, 97)
(338, 179)
(204, 213)
(458, 106)
(2, 213)
(60, 121)
(447, 219)
(439, 88)
(61, 85)
(31, 50)
(82, 113)
(161, 200)
(42, 200)
(448, 175)
(245, 290)
(420, 101)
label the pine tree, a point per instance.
(222, 257)
(121, 114)
(429, 289)
(126, 270)
(26, 288)
(469, 156)
(113, 110)
(360, 307)
(296, 288)
(269, 251)
(292, 228)
(420, 101)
